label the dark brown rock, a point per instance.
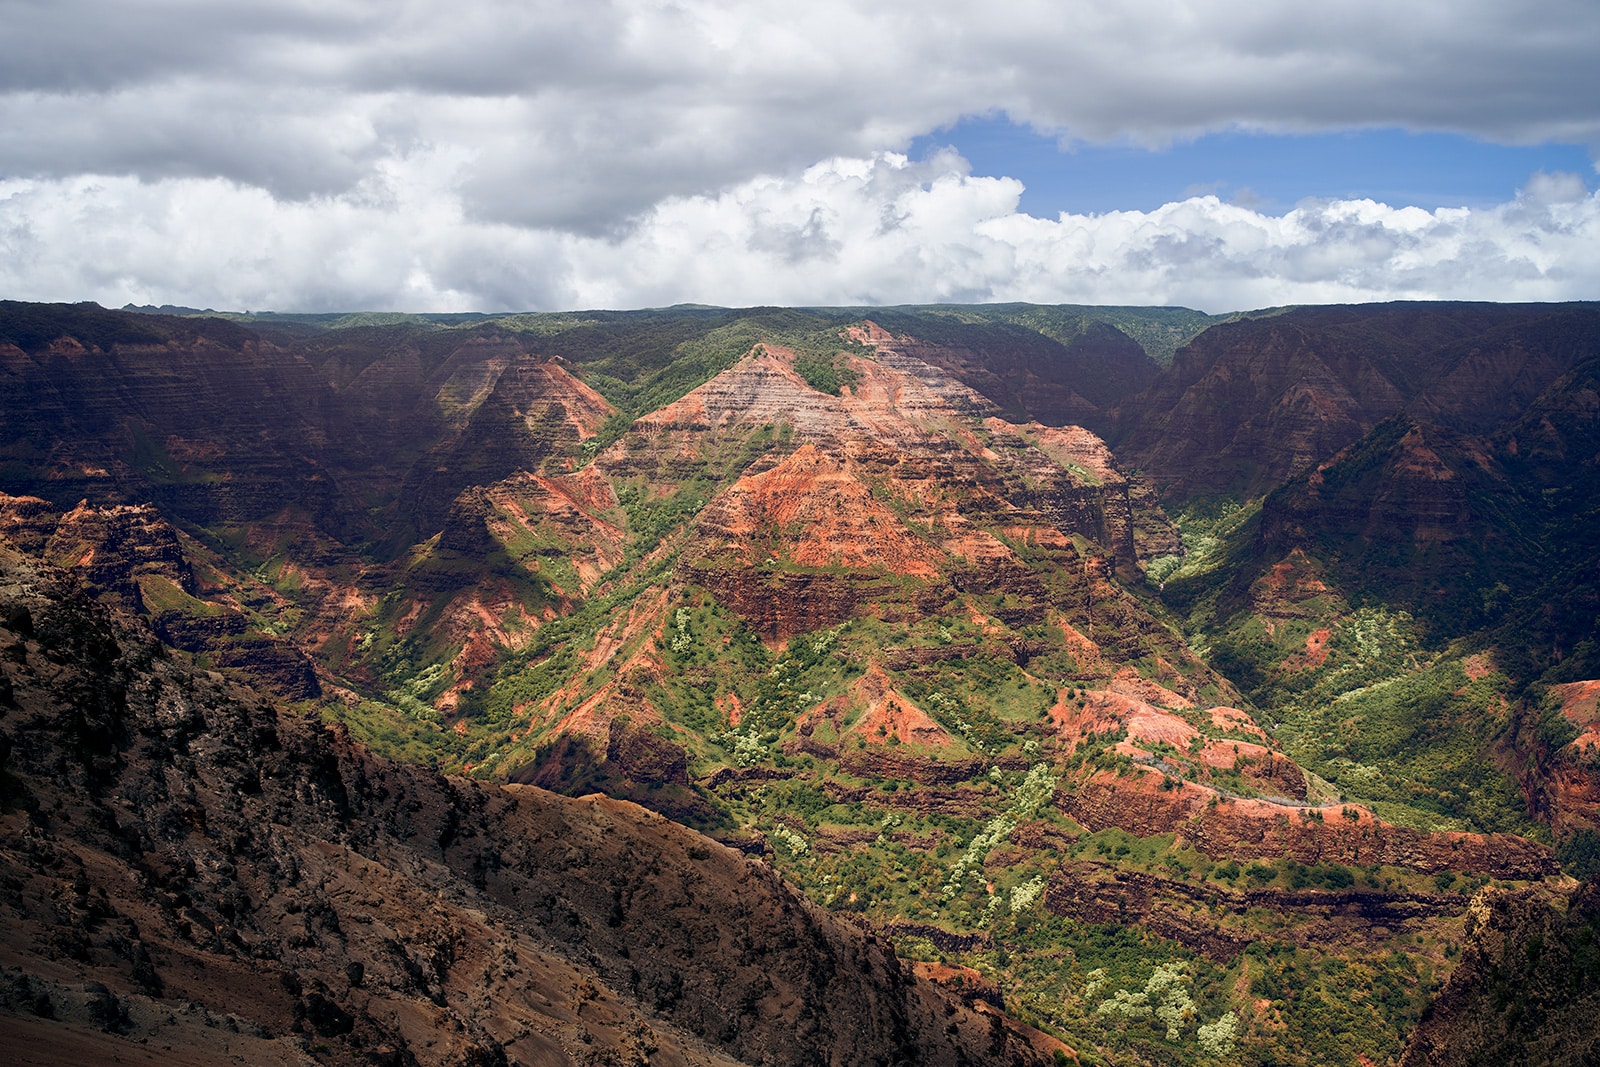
(1249, 404)
(1526, 991)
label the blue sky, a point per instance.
(1271, 172)
(541, 154)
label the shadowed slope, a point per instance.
(171, 840)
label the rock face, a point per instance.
(815, 510)
(1073, 377)
(216, 424)
(27, 521)
(1206, 918)
(1176, 785)
(1437, 516)
(130, 556)
(630, 762)
(1247, 829)
(1573, 782)
(1527, 990)
(335, 460)
(1328, 835)
(1249, 404)
(853, 595)
(114, 547)
(109, 548)
(147, 411)
(509, 415)
(1414, 509)
(181, 859)
(825, 532)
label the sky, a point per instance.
(320, 155)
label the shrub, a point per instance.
(1260, 873)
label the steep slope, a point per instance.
(505, 412)
(898, 502)
(187, 865)
(155, 410)
(1058, 371)
(1455, 525)
(1527, 991)
(130, 556)
(1251, 403)
(1401, 608)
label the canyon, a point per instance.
(990, 659)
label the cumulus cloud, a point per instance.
(582, 116)
(538, 153)
(850, 230)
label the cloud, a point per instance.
(538, 153)
(582, 117)
(849, 230)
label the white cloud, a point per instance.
(850, 230)
(539, 153)
(580, 116)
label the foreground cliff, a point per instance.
(191, 871)
(1527, 991)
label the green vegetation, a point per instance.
(824, 374)
(1357, 695)
(1579, 853)
(644, 362)
(1415, 739)
(1159, 331)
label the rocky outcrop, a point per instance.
(548, 523)
(810, 538)
(1249, 404)
(635, 764)
(271, 664)
(813, 511)
(196, 856)
(112, 546)
(27, 521)
(885, 765)
(1146, 803)
(1249, 829)
(1082, 489)
(1209, 919)
(1571, 786)
(1167, 739)
(1526, 991)
(778, 604)
(115, 550)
